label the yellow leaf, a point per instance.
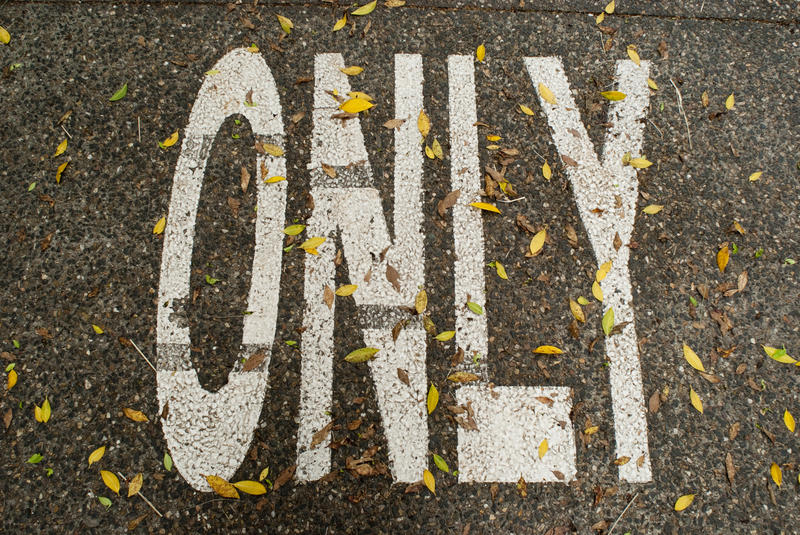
(436, 147)
(222, 487)
(5, 37)
(788, 419)
(462, 377)
(135, 485)
(253, 49)
(251, 487)
(640, 163)
(684, 501)
(600, 18)
(340, 23)
(312, 243)
(37, 413)
(158, 228)
(739, 228)
(352, 70)
(96, 455)
(274, 179)
(722, 258)
(652, 209)
(394, 3)
(421, 301)
(493, 137)
(485, 206)
(133, 414)
(294, 230)
(433, 398)
(481, 52)
(582, 300)
(170, 141)
(61, 148)
(45, 411)
(492, 147)
(356, 105)
(782, 358)
(501, 270)
(546, 94)
(543, 447)
(264, 473)
(361, 355)
(634, 55)
(526, 110)
(359, 94)
(60, 171)
(609, 8)
(110, 480)
(597, 292)
(603, 271)
(692, 358)
(755, 176)
(444, 336)
(537, 242)
(427, 477)
(272, 150)
(777, 475)
(730, 102)
(429, 152)
(12, 379)
(423, 123)
(695, 399)
(591, 430)
(652, 84)
(546, 171)
(286, 24)
(577, 311)
(346, 289)
(613, 95)
(366, 9)
(97, 329)
(548, 350)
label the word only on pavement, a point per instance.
(210, 433)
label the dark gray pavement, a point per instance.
(82, 252)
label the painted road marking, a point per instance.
(511, 421)
(349, 205)
(210, 433)
(612, 188)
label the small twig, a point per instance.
(508, 201)
(622, 513)
(680, 106)
(139, 126)
(657, 128)
(142, 496)
(65, 131)
(142, 354)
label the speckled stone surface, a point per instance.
(82, 252)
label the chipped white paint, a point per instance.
(612, 188)
(349, 206)
(209, 433)
(511, 422)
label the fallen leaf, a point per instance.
(485, 206)
(311, 244)
(120, 93)
(684, 501)
(788, 419)
(777, 475)
(433, 398)
(526, 110)
(97, 329)
(543, 447)
(430, 482)
(475, 308)
(366, 9)
(286, 26)
(251, 487)
(60, 171)
(622, 461)
(222, 487)
(755, 176)
(613, 95)
(244, 178)
(294, 230)
(704, 99)
(546, 171)
(340, 23)
(730, 468)
(692, 358)
(104, 501)
(597, 292)
(136, 416)
(361, 355)
(444, 336)
(272, 150)
(546, 94)
(5, 37)
(346, 289)
(394, 123)
(160, 225)
(608, 321)
(652, 84)
(695, 399)
(548, 350)
(352, 70)
(537, 242)
(480, 53)
(609, 8)
(429, 152)
(170, 141)
(722, 258)
(423, 123)
(111, 480)
(577, 311)
(440, 463)
(634, 55)
(730, 102)
(421, 301)
(640, 163)
(436, 148)
(284, 477)
(96, 455)
(135, 485)
(167, 460)
(356, 105)
(274, 179)
(35, 458)
(462, 377)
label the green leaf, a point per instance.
(16, 343)
(608, 321)
(32, 186)
(759, 253)
(475, 307)
(734, 248)
(361, 355)
(290, 343)
(235, 136)
(49, 472)
(211, 280)
(35, 458)
(790, 261)
(693, 300)
(105, 501)
(294, 230)
(440, 463)
(167, 462)
(287, 249)
(444, 336)
(120, 94)
(10, 367)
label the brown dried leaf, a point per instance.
(7, 418)
(617, 242)
(710, 377)
(547, 401)
(355, 424)
(44, 333)
(319, 436)
(448, 202)
(524, 224)
(734, 430)
(654, 403)
(254, 360)
(569, 161)
(329, 170)
(46, 242)
(245, 179)
(730, 468)
(403, 376)
(328, 296)
(572, 236)
(234, 205)
(393, 276)
(283, 477)
(741, 281)
(133, 414)
(662, 50)
(393, 123)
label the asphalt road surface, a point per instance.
(569, 241)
